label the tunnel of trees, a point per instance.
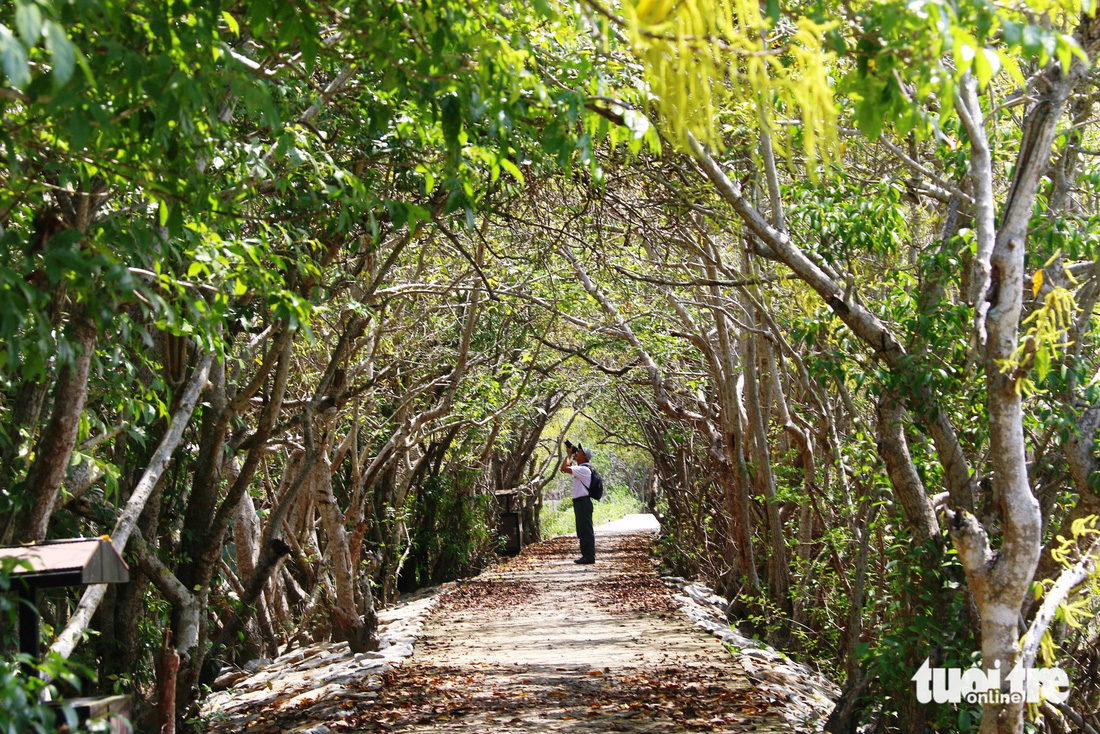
(289, 289)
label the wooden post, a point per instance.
(166, 683)
(28, 625)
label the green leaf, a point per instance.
(1042, 362)
(966, 50)
(986, 65)
(543, 8)
(231, 22)
(511, 168)
(1067, 49)
(79, 130)
(62, 56)
(870, 119)
(162, 213)
(429, 177)
(1032, 40)
(399, 213)
(13, 58)
(1011, 64)
(84, 67)
(774, 12)
(28, 22)
(451, 119)
(418, 214)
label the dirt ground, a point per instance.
(542, 645)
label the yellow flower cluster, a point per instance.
(704, 58)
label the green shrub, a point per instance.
(451, 531)
(20, 708)
(617, 502)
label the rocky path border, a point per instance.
(804, 696)
(302, 689)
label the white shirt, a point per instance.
(582, 476)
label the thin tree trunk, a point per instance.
(273, 548)
(127, 522)
(348, 625)
(166, 687)
(55, 447)
(738, 480)
(862, 323)
(27, 403)
(780, 580)
(893, 448)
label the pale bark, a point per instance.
(1000, 580)
(854, 629)
(758, 437)
(864, 324)
(803, 441)
(818, 403)
(347, 622)
(1070, 578)
(893, 447)
(981, 166)
(273, 547)
(186, 604)
(997, 580)
(771, 173)
(765, 479)
(208, 514)
(204, 531)
(734, 475)
(162, 456)
(246, 536)
(127, 521)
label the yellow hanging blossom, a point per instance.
(704, 56)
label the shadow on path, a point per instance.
(543, 645)
(535, 644)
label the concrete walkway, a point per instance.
(543, 645)
(535, 644)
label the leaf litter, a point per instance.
(537, 644)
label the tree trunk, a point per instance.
(893, 448)
(127, 522)
(166, 686)
(348, 625)
(56, 444)
(779, 565)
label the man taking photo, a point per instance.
(576, 463)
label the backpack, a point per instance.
(595, 484)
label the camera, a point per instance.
(569, 445)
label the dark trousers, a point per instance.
(582, 511)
